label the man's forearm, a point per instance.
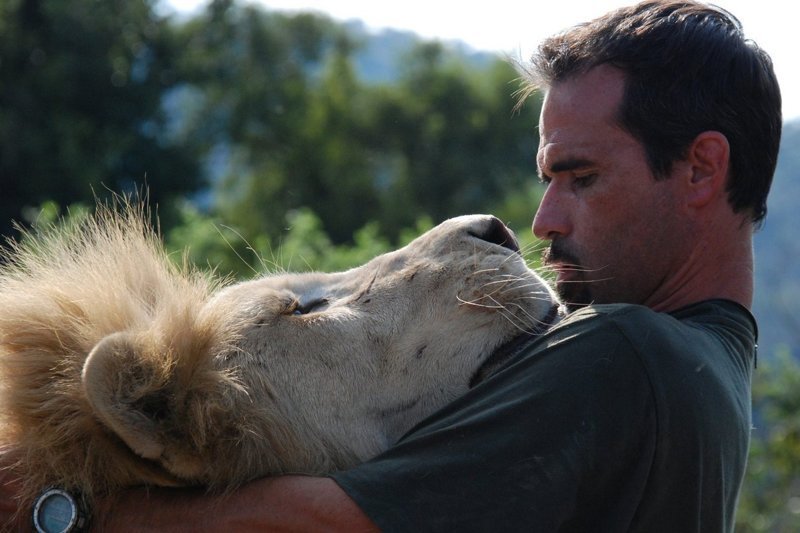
(286, 503)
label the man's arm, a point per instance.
(286, 503)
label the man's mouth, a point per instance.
(561, 261)
(565, 274)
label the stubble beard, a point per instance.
(576, 291)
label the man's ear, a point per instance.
(709, 158)
(126, 390)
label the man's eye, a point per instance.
(309, 307)
(581, 182)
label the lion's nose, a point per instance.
(496, 232)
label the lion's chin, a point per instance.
(506, 351)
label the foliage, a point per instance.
(451, 144)
(208, 243)
(80, 103)
(116, 97)
(251, 78)
(771, 495)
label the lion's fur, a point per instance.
(119, 368)
(61, 292)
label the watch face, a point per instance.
(55, 511)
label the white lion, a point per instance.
(118, 368)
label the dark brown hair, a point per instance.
(688, 69)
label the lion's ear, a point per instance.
(126, 391)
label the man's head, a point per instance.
(688, 68)
(660, 126)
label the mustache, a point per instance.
(557, 252)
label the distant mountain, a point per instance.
(380, 58)
(777, 250)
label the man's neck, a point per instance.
(719, 265)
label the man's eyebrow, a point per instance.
(570, 164)
(565, 165)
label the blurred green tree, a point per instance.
(81, 87)
(285, 123)
(447, 139)
(249, 78)
(770, 498)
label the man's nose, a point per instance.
(552, 217)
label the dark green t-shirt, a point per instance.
(619, 419)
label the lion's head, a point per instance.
(118, 368)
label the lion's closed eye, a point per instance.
(309, 307)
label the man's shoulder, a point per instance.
(612, 312)
(715, 335)
(595, 337)
(627, 344)
(609, 320)
(641, 323)
(687, 338)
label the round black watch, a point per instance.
(57, 511)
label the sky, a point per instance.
(515, 27)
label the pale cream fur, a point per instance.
(118, 368)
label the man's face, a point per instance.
(615, 232)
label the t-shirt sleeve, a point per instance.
(565, 423)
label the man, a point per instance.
(659, 137)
